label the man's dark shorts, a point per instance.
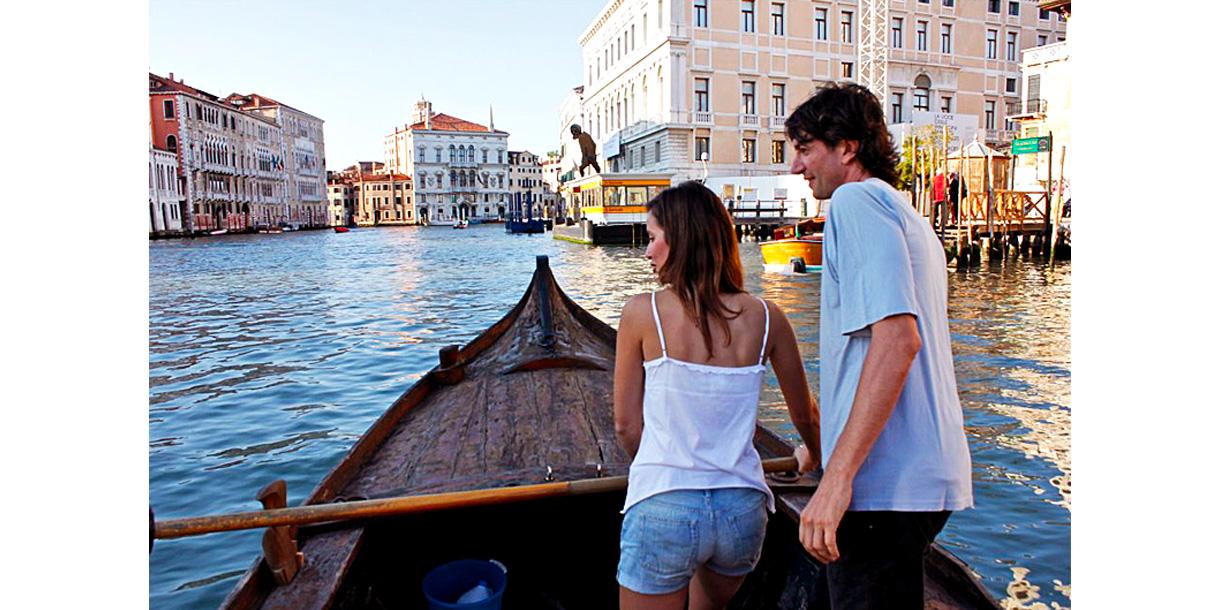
(880, 562)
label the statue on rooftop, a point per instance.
(588, 150)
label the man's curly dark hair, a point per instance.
(847, 111)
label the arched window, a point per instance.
(470, 153)
(171, 142)
(922, 86)
(485, 155)
(644, 97)
(451, 154)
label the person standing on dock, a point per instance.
(938, 201)
(957, 192)
(896, 462)
(688, 370)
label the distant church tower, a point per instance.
(423, 113)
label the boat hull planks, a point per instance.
(528, 398)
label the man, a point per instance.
(938, 201)
(894, 450)
(588, 150)
(957, 192)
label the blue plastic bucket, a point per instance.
(447, 582)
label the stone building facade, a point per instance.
(341, 205)
(665, 81)
(366, 198)
(245, 162)
(304, 157)
(1045, 109)
(460, 169)
(165, 201)
(526, 185)
(231, 163)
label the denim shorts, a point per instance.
(666, 537)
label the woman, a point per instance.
(687, 376)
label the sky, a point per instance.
(361, 66)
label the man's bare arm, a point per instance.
(895, 341)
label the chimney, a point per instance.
(171, 77)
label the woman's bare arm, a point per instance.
(629, 375)
(790, 372)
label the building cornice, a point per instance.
(496, 133)
(599, 21)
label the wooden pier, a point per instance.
(759, 219)
(1005, 219)
(995, 223)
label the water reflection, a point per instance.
(270, 355)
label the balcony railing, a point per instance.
(1026, 108)
(637, 128)
(1002, 136)
(749, 120)
(700, 117)
(777, 122)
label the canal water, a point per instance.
(269, 355)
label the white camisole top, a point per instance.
(699, 424)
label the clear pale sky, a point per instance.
(360, 66)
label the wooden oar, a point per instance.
(386, 507)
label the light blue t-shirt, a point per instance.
(880, 259)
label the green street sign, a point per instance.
(1026, 146)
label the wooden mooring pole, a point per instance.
(1058, 205)
(1050, 181)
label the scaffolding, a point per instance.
(874, 48)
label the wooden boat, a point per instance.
(461, 224)
(524, 225)
(528, 400)
(801, 240)
(342, 229)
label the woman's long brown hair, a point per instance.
(703, 262)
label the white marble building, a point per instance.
(164, 194)
(460, 169)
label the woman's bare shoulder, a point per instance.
(636, 308)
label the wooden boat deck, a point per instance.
(526, 405)
(528, 398)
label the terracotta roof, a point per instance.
(254, 101)
(444, 122)
(251, 100)
(367, 177)
(160, 84)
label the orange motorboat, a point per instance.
(795, 247)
